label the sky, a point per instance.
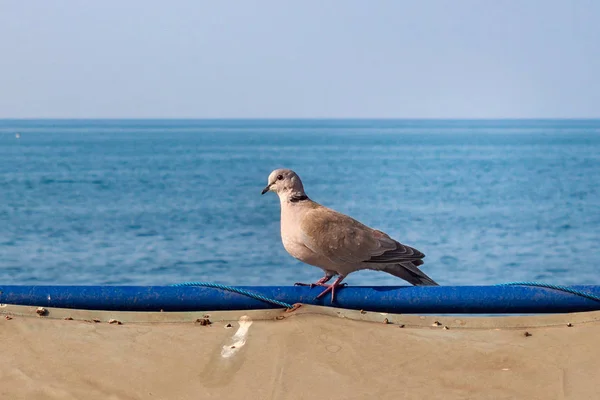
(300, 59)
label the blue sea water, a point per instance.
(166, 201)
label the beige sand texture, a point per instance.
(311, 353)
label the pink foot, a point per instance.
(320, 282)
(331, 288)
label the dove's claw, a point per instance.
(331, 288)
(312, 285)
(320, 282)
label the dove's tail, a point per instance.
(409, 272)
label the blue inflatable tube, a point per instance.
(392, 299)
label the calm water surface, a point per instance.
(160, 202)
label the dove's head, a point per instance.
(286, 183)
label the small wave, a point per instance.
(202, 262)
(449, 260)
(49, 181)
(147, 234)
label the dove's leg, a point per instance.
(331, 288)
(320, 282)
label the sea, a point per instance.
(158, 202)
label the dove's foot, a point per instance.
(320, 282)
(312, 285)
(331, 288)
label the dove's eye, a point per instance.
(279, 177)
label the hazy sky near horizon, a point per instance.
(308, 59)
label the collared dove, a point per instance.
(337, 243)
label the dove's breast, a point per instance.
(304, 254)
(291, 237)
(296, 249)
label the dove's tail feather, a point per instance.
(409, 272)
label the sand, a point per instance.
(314, 352)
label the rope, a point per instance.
(260, 297)
(555, 287)
(236, 290)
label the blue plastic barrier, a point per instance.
(393, 299)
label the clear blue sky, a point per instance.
(276, 59)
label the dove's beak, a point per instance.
(265, 190)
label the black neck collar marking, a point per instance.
(298, 197)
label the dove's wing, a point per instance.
(345, 241)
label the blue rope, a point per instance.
(555, 287)
(287, 305)
(236, 290)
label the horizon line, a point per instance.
(304, 118)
